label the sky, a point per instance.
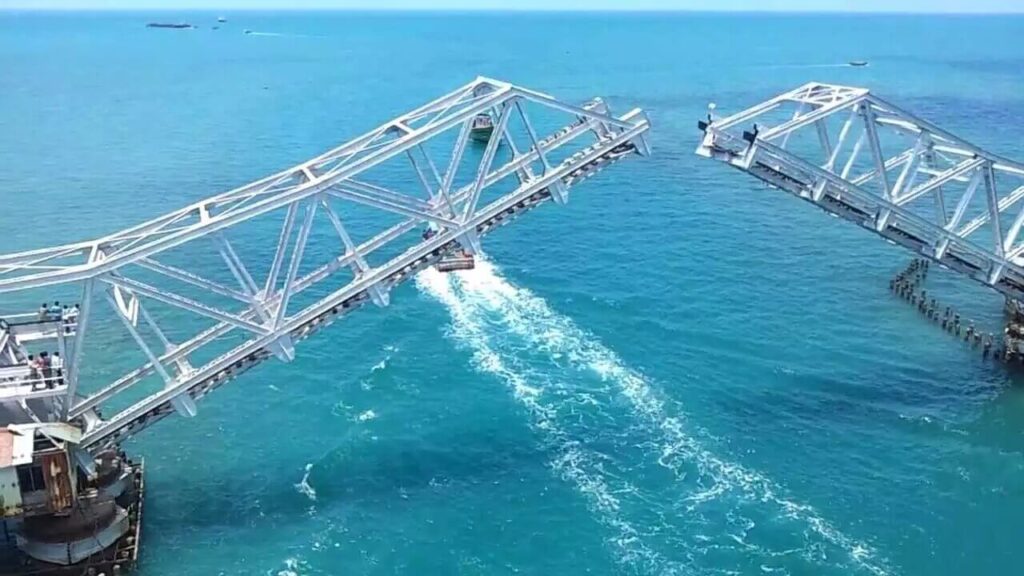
(944, 6)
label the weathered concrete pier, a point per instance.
(909, 285)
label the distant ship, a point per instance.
(222, 19)
(858, 63)
(166, 25)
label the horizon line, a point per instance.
(682, 10)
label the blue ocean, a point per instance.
(679, 372)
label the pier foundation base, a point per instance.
(99, 534)
(1013, 334)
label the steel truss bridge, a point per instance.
(416, 171)
(863, 159)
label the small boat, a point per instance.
(247, 31)
(221, 19)
(482, 128)
(166, 25)
(858, 63)
(458, 260)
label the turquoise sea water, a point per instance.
(678, 373)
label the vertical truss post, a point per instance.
(485, 163)
(183, 404)
(270, 286)
(910, 168)
(909, 171)
(996, 272)
(433, 168)
(282, 348)
(993, 207)
(434, 196)
(74, 361)
(236, 266)
(420, 175)
(453, 163)
(822, 129)
(799, 111)
(832, 151)
(958, 213)
(534, 141)
(854, 154)
(1011, 235)
(940, 207)
(843, 133)
(439, 181)
(559, 193)
(359, 265)
(62, 349)
(523, 173)
(182, 361)
(871, 129)
(293, 266)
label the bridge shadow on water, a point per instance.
(358, 471)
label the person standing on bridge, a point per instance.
(58, 368)
(43, 311)
(40, 374)
(65, 318)
(71, 320)
(33, 371)
(46, 369)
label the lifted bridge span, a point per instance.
(519, 167)
(861, 158)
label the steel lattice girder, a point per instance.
(259, 311)
(898, 187)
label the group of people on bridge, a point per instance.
(68, 315)
(46, 370)
(40, 370)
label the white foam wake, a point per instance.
(530, 318)
(304, 487)
(575, 464)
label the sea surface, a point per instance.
(679, 372)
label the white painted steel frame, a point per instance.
(260, 310)
(936, 163)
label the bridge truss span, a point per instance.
(859, 157)
(347, 227)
